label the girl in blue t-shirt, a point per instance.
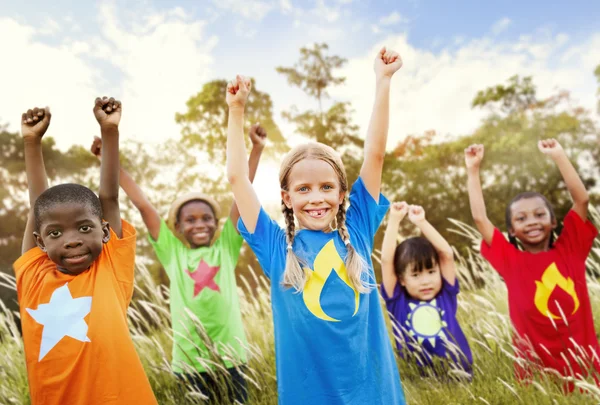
(331, 343)
(420, 288)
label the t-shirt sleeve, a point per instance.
(365, 214)
(577, 236)
(500, 254)
(167, 247)
(449, 288)
(26, 268)
(396, 303)
(229, 242)
(119, 253)
(267, 242)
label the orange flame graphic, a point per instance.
(550, 280)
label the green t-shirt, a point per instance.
(203, 281)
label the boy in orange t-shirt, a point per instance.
(75, 286)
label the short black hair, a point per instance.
(524, 196)
(178, 216)
(417, 252)
(65, 194)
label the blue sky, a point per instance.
(154, 55)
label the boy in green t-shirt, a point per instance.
(202, 278)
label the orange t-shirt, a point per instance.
(77, 344)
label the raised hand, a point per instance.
(398, 210)
(237, 92)
(258, 136)
(35, 122)
(551, 147)
(474, 156)
(416, 214)
(107, 111)
(96, 147)
(387, 62)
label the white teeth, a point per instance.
(316, 213)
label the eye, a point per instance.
(540, 214)
(303, 189)
(520, 219)
(327, 187)
(54, 234)
(189, 220)
(207, 218)
(85, 228)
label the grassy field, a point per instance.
(483, 314)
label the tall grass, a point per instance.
(483, 315)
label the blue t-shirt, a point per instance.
(331, 343)
(429, 325)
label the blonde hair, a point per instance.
(356, 266)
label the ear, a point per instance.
(511, 231)
(342, 196)
(401, 281)
(554, 223)
(39, 241)
(105, 232)
(287, 200)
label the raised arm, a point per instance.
(416, 215)
(579, 194)
(34, 124)
(237, 167)
(473, 158)
(386, 64)
(139, 199)
(388, 274)
(258, 136)
(108, 114)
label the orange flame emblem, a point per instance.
(551, 279)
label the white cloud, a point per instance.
(435, 90)
(251, 9)
(391, 19)
(49, 27)
(156, 66)
(501, 25)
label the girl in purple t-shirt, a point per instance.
(420, 288)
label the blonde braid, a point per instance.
(293, 275)
(355, 264)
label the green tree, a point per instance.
(432, 174)
(314, 74)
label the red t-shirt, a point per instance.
(540, 286)
(77, 344)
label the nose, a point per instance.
(316, 197)
(73, 243)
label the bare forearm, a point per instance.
(109, 168)
(390, 238)
(37, 180)
(253, 161)
(237, 158)
(376, 139)
(574, 184)
(437, 240)
(477, 203)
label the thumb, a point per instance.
(47, 114)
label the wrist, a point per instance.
(257, 148)
(108, 126)
(236, 109)
(382, 80)
(473, 171)
(32, 140)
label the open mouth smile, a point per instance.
(77, 259)
(317, 213)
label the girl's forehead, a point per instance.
(196, 208)
(528, 204)
(312, 170)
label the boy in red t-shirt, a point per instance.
(548, 298)
(75, 286)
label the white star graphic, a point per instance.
(62, 316)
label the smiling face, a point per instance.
(532, 223)
(197, 223)
(314, 193)
(423, 285)
(72, 236)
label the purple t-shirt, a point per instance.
(429, 328)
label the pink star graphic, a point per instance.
(204, 276)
